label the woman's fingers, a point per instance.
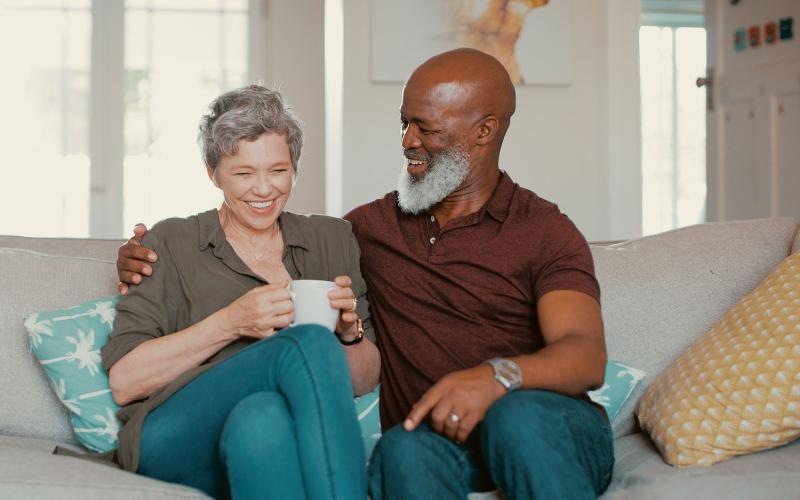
(279, 321)
(274, 292)
(343, 281)
(343, 298)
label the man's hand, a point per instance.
(457, 402)
(132, 260)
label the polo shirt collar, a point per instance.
(498, 205)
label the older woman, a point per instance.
(217, 392)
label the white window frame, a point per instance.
(673, 14)
(107, 107)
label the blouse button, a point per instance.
(433, 219)
(433, 240)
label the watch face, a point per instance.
(508, 371)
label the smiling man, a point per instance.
(485, 304)
(486, 307)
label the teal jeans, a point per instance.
(275, 420)
(531, 445)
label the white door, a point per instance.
(754, 109)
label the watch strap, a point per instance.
(355, 340)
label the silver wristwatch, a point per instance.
(507, 373)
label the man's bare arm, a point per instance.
(574, 357)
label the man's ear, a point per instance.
(488, 128)
(210, 172)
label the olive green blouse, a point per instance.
(199, 273)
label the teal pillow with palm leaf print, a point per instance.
(618, 385)
(369, 419)
(67, 343)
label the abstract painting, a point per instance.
(530, 37)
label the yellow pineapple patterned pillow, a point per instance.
(736, 390)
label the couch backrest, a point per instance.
(41, 274)
(661, 292)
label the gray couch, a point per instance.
(659, 294)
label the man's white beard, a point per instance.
(446, 172)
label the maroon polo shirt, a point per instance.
(449, 298)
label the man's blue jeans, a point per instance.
(532, 444)
(275, 420)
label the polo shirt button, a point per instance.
(433, 240)
(433, 219)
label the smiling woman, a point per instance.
(251, 145)
(202, 356)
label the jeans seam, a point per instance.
(299, 346)
(463, 462)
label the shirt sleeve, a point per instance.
(359, 287)
(566, 262)
(148, 310)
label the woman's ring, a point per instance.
(454, 418)
(355, 303)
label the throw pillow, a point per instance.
(736, 390)
(620, 381)
(369, 419)
(67, 342)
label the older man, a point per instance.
(486, 307)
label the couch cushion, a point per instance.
(639, 472)
(736, 390)
(35, 280)
(662, 292)
(28, 469)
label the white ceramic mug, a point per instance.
(311, 303)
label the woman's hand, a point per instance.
(344, 299)
(260, 312)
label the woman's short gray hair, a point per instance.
(246, 113)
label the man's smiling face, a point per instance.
(434, 131)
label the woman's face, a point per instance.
(256, 181)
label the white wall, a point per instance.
(577, 145)
(292, 39)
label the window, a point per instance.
(45, 48)
(672, 51)
(178, 55)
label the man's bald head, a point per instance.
(469, 79)
(455, 112)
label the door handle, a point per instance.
(703, 81)
(707, 82)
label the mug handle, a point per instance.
(293, 296)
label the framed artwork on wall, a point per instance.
(530, 37)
